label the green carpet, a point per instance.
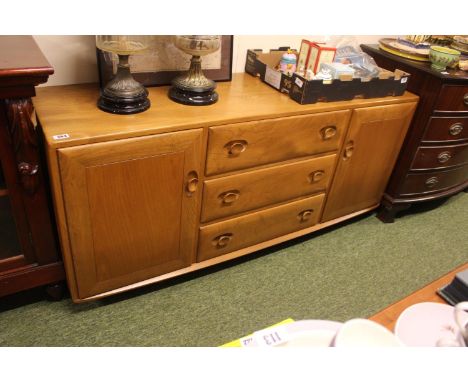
(352, 270)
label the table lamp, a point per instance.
(123, 94)
(192, 87)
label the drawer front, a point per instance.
(434, 181)
(446, 129)
(231, 235)
(245, 145)
(452, 98)
(440, 157)
(254, 189)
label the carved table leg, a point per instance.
(55, 291)
(388, 211)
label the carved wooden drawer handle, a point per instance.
(328, 132)
(349, 149)
(456, 128)
(316, 176)
(229, 197)
(444, 156)
(222, 241)
(304, 215)
(431, 182)
(192, 182)
(235, 148)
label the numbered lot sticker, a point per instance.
(61, 136)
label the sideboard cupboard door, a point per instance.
(369, 153)
(131, 208)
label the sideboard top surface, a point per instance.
(72, 110)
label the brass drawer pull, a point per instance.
(349, 149)
(192, 182)
(456, 128)
(235, 148)
(328, 132)
(304, 215)
(431, 182)
(229, 197)
(444, 156)
(316, 176)
(222, 241)
(465, 99)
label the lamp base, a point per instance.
(194, 98)
(120, 105)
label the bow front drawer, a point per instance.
(453, 98)
(440, 157)
(446, 129)
(246, 145)
(434, 181)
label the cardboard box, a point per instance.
(264, 66)
(311, 91)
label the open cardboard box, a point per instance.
(311, 91)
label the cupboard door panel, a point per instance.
(369, 153)
(130, 212)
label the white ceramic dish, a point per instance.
(310, 333)
(427, 324)
(360, 332)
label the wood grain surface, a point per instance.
(388, 316)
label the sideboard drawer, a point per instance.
(230, 235)
(452, 98)
(434, 181)
(245, 145)
(254, 189)
(440, 156)
(446, 129)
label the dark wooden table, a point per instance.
(388, 316)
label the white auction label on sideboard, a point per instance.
(61, 136)
(273, 77)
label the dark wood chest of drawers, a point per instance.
(433, 162)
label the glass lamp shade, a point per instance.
(192, 87)
(123, 45)
(122, 94)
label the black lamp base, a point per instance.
(189, 97)
(119, 105)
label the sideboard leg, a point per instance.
(388, 211)
(55, 291)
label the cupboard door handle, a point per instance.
(304, 215)
(229, 197)
(465, 99)
(431, 182)
(222, 241)
(456, 128)
(349, 149)
(235, 148)
(316, 176)
(192, 183)
(444, 156)
(328, 132)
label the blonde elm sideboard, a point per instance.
(150, 196)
